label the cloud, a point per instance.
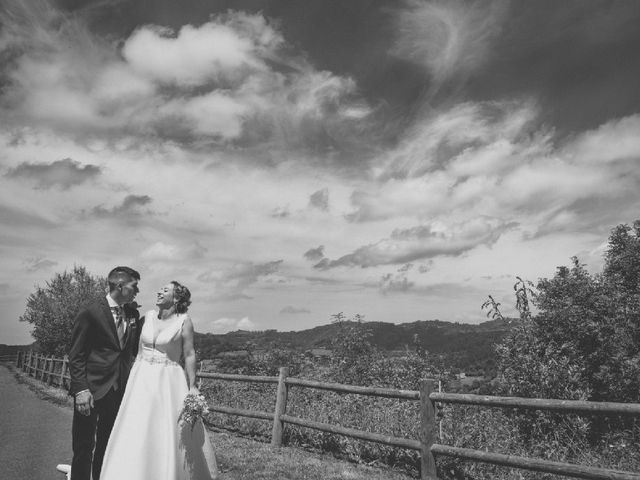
(34, 264)
(616, 140)
(14, 217)
(423, 242)
(425, 267)
(294, 310)
(231, 80)
(225, 324)
(232, 283)
(280, 212)
(130, 207)
(314, 254)
(438, 138)
(447, 38)
(168, 252)
(64, 173)
(320, 200)
(396, 282)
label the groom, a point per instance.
(103, 346)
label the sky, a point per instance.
(290, 160)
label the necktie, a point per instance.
(119, 323)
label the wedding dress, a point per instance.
(148, 442)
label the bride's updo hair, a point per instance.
(181, 297)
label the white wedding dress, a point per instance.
(147, 441)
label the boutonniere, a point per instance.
(132, 322)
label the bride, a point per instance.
(148, 441)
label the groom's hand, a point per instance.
(84, 402)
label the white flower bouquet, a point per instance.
(193, 409)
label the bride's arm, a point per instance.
(189, 352)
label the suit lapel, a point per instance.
(108, 318)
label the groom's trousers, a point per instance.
(90, 434)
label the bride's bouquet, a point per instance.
(195, 406)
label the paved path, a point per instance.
(35, 435)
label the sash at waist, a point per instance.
(156, 358)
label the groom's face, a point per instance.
(129, 290)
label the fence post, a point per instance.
(27, 363)
(63, 370)
(52, 367)
(18, 358)
(198, 371)
(428, 431)
(281, 406)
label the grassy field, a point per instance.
(242, 458)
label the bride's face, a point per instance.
(165, 296)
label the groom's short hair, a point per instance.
(121, 275)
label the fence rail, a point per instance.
(34, 364)
(51, 370)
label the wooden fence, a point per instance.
(427, 444)
(55, 371)
(51, 370)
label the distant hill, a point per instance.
(458, 345)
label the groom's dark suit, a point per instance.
(99, 364)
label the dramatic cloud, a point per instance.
(63, 173)
(447, 38)
(223, 51)
(289, 309)
(423, 242)
(441, 141)
(230, 80)
(34, 264)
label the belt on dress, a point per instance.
(156, 359)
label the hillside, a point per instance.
(457, 345)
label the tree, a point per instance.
(51, 309)
(353, 352)
(584, 342)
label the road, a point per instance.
(35, 435)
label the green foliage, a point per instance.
(582, 344)
(493, 308)
(585, 340)
(51, 309)
(462, 346)
(352, 351)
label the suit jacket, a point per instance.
(96, 360)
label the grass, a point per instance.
(42, 390)
(242, 458)
(245, 459)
